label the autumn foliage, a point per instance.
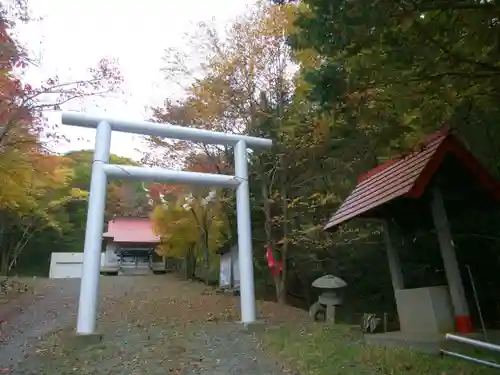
(35, 184)
(242, 86)
(192, 227)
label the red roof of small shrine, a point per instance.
(131, 230)
(409, 176)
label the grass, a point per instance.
(315, 349)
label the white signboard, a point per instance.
(225, 271)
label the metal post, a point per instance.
(478, 305)
(247, 294)
(476, 343)
(89, 289)
(472, 359)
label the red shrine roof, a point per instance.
(131, 230)
(409, 176)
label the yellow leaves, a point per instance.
(308, 58)
(181, 229)
(176, 229)
(409, 117)
(34, 186)
(321, 128)
(295, 202)
(17, 176)
(78, 193)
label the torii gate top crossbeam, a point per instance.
(164, 130)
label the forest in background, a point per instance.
(341, 86)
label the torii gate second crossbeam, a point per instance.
(101, 170)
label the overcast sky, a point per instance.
(74, 35)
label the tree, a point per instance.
(29, 172)
(250, 62)
(22, 104)
(39, 205)
(376, 78)
(372, 79)
(250, 59)
(190, 228)
(36, 195)
(404, 69)
(123, 198)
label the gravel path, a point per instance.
(229, 350)
(51, 306)
(151, 325)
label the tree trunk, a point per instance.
(206, 256)
(4, 252)
(190, 263)
(281, 287)
(4, 262)
(279, 282)
(16, 252)
(268, 228)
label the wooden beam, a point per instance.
(393, 258)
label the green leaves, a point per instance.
(409, 55)
(123, 198)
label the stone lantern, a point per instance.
(332, 288)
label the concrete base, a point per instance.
(135, 271)
(257, 326)
(106, 273)
(425, 311)
(159, 272)
(78, 342)
(426, 343)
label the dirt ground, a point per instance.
(151, 325)
(163, 325)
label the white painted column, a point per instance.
(247, 293)
(393, 259)
(89, 289)
(455, 285)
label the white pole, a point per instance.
(128, 172)
(89, 289)
(247, 294)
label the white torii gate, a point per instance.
(101, 170)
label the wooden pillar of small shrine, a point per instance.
(393, 258)
(452, 269)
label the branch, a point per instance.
(456, 5)
(212, 158)
(456, 55)
(25, 238)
